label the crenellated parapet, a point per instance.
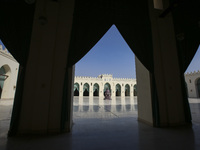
(124, 79)
(105, 75)
(118, 86)
(6, 53)
(192, 73)
(192, 80)
(105, 78)
(87, 78)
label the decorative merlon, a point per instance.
(6, 53)
(105, 76)
(192, 73)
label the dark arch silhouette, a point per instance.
(127, 90)
(86, 93)
(86, 89)
(96, 93)
(76, 92)
(96, 90)
(118, 90)
(135, 90)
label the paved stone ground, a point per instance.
(98, 108)
(118, 107)
(109, 127)
(104, 109)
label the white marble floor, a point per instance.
(98, 108)
(107, 126)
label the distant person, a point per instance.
(107, 95)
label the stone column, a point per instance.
(45, 71)
(123, 90)
(166, 69)
(144, 93)
(91, 90)
(81, 90)
(101, 88)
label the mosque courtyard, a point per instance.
(106, 124)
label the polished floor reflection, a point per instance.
(87, 107)
(195, 109)
(106, 125)
(97, 107)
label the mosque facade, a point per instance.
(96, 86)
(8, 74)
(85, 86)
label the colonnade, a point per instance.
(98, 89)
(96, 86)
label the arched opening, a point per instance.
(192, 87)
(127, 90)
(5, 78)
(192, 74)
(198, 87)
(107, 86)
(118, 90)
(76, 89)
(110, 64)
(86, 89)
(135, 90)
(96, 90)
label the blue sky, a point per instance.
(195, 63)
(112, 55)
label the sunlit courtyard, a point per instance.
(97, 107)
(118, 107)
(104, 124)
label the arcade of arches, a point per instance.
(89, 86)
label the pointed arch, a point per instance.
(86, 89)
(76, 89)
(96, 89)
(118, 89)
(107, 86)
(127, 90)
